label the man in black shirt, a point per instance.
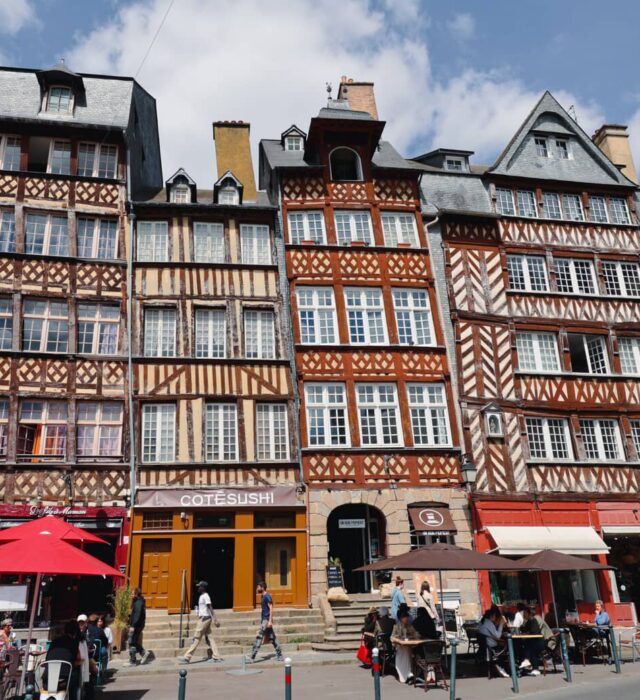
(66, 648)
(137, 620)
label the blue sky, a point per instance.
(459, 74)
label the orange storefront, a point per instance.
(230, 537)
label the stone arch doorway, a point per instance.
(357, 535)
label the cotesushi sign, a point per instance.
(277, 496)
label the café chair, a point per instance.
(473, 643)
(429, 658)
(54, 680)
(12, 675)
(386, 651)
(630, 639)
(491, 655)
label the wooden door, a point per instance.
(156, 558)
(280, 569)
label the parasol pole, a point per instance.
(540, 596)
(553, 598)
(34, 605)
(444, 629)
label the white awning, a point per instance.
(527, 540)
(621, 529)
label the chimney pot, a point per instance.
(233, 152)
(613, 141)
(361, 96)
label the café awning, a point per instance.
(432, 519)
(519, 541)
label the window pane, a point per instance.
(255, 245)
(221, 432)
(7, 232)
(153, 241)
(316, 311)
(597, 210)
(551, 205)
(259, 334)
(326, 414)
(413, 317)
(504, 201)
(526, 203)
(10, 153)
(618, 210)
(271, 432)
(158, 433)
(573, 207)
(353, 226)
(210, 333)
(629, 355)
(306, 226)
(208, 241)
(86, 159)
(160, 333)
(108, 161)
(60, 163)
(59, 99)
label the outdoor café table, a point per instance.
(519, 637)
(414, 645)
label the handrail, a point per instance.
(182, 602)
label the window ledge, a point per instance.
(342, 347)
(179, 264)
(183, 359)
(384, 449)
(357, 248)
(581, 463)
(578, 375)
(60, 176)
(555, 294)
(565, 222)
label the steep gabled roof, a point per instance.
(181, 172)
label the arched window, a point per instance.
(345, 165)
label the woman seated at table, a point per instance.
(425, 625)
(601, 620)
(404, 631)
(491, 628)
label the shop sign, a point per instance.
(58, 511)
(433, 520)
(275, 496)
(352, 524)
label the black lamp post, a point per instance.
(469, 473)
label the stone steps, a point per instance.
(349, 620)
(226, 650)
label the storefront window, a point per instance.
(625, 556)
(213, 521)
(511, 587)
(421, 538)
(157, 521)
(275, 520)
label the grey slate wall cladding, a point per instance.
(454, 191)
(144, 143)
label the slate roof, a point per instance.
(455, 192)
(205, 199)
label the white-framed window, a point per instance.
(59, 158)
(59, 99)
(551, 205)
(353, 226)
(208, 242)
(635, 434)
(562, 149)
(537, 352)
(575, 276)
(598, 209)
(272, 432)
(255, 244)
(97, 238)
(229, 195)
(4, 426)
(618, 210)
(97, 160)
(99, 429)
(221, 432)
(504, 201)
(9, 152)
(527, 203)
(42, 430)
(6, 324)
(572, 204)
(98, 326)
(378, 414)
(259, 334)
(306, 226)
(542, 148)
(399, 228)
(46, 234)
(345, 165)
(365, 315)
(601, 439)
(429, 418)
(180, 194)
(621, 279)
(527, 273)
(293, 143)
(159, 432)
(454, 164)
(549, 438)
(211, 332)
(160, 332)
(413, 317)
(45, 326)
(7, 231)
(317, 314)
(588, 353)
(629, 348)
(327, 416)
(153, 241)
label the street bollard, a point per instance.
(565, 656)
(375, 660)
(452, 669)
(614, 650)
(29, 691)
(287, 679)
(512, 665)
(182, 684)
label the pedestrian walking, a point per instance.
(206, 616)
(137, 620)
(266, 630)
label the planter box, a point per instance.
(358, 244)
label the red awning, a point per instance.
(432, 519)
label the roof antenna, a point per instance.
(572, 113)
(329, 89)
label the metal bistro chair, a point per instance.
(429, 657)
(492, 656)
(589, 644)
(97, 657)
(473, 643)
(630, 639)
(387, 652)
(552, 653)
(54, 680)
(12, 675)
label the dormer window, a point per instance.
(562, 149)
(454, 164)
(228, 195)
(59, 99)
(345, 165)
(293, 143)
(180, 194)
(542, 149)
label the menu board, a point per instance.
(334, 577)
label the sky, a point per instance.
(456, 74)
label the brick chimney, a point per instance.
(360, 96)
(233, 152)
(613, 141)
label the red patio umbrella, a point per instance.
(56, 527)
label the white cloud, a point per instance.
(462, 26)
(14, 15)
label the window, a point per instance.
(365, 315)
(97, 160)
(221, 432)
(6, 324)
(454, 164)
(429, 420)
(208, 242)
(327, 421)
(629, 348)
(527, 273)
(575, 276)
(551, 205)
(97, 238)
(345, 165)
(601, 439)
(621, 279)
(9, 152)
(527, 203)
(255, 245)
(153, 241)
(635, 434)
(60, 158)
(537, 352)
(504, 201)
(4, 427)
(306, 226)
(399, 228)
(45, 326)
(180, 194)
(98, 326)
(99, 429)
(597, 210)
(293, 143)
(413, 317)
(588, 353)
(378, 414)
(619, 210)
(159, 432)
(46, 234)
(272, 432)
(549, 438)
(228, 195)
(59, 100)
(353, 226)
(211, 333)
(160, 333)
(317, 313)
(42, 429)
(259, 334)
(562, 149)
(7, 231)
(157, 520)
(541, 147)
(573, 207)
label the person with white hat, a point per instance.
(206, 616)
(83, 649)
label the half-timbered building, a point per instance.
(540, 272)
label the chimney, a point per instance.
(360, 96)
(233, 152)
(613, 141)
